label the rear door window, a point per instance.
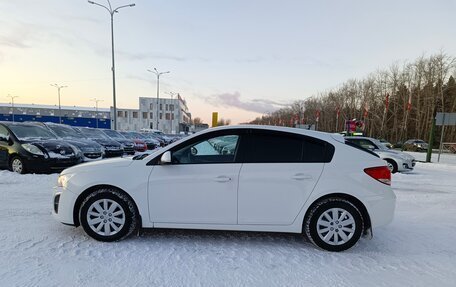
(273, 148)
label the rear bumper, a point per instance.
(381, 209)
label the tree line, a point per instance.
(397, 103)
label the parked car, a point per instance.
(112, 147)
(415, 145)
(30, 148)
(397, 161)
(90, 149)
(151, 143)
(159, 134)
(386, 143)
(130, 146)
(278, 179)
(155, 137)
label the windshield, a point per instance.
(113, 134)
(63, 131)
(420, 141)
(380, 145)
(25, 132)
(93, 133)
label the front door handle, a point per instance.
(222, 178)
(301, 176)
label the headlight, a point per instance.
(63, 180)
(32, 149)
(76, 150)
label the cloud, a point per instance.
(234, 100)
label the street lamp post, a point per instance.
(156, 72)
(12, 104)
(96, 109)
(58, 91)
(111, 12)
(172, 111)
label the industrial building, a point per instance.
(70, 115)
(173, 115)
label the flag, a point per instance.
(409, 103)
(317, 116)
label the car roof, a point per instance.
(360, 138)
(315, 134)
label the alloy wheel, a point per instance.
(17, 166)
(106, 217)
(336, 226)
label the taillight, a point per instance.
(380, 173)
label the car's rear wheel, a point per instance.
(334, 224)
(17, 165)
(392, 165)
(108, 215)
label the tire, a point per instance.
(392, 165)
(114, 221)
(316, 222)
(17, 165)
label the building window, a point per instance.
(135, 115)
(167, 106)
(126, 114)
(167, 116)
(171, 107)
(144, 115)
(151, 106)
(119, 114)
(161, 116)
(151, 115)
(172, 116)
(161, 107)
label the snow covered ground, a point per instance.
(417, 249)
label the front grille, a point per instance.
(56, 203)
(92, 155)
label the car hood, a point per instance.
(85, 145)
(125, 142)
(107, 142)
(101, 164)
(395, 153)
(54, 148)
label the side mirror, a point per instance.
(166, 158)
(5, 139)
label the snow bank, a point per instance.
(417, 249)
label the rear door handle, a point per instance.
(222, 178)
(301, 176)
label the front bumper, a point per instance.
(50, 164)
(63, 202)
(406, 165)
(114, 153)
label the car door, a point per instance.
(279, 172)
(4, 146)
(200, 185)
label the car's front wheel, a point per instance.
(334, 224)
(108, 215)
(17, 165)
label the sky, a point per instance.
(242, 58)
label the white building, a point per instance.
(173, 115)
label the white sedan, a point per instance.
(248, 178)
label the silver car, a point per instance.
(397, 161)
